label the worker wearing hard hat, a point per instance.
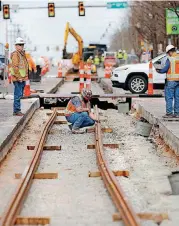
(19, 71)
(125, 56)
(31, 62)
(78, 112)
(102, 58)
(96, 61)
(171, 69)
(90, 60)
(120, 54)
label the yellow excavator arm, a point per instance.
(77, 56)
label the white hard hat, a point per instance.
(96, 56)
(124, 51)
(169, 47)
(19, 40)
(120, 50)
(91, 57)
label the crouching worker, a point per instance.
(78, 112)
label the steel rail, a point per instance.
(128, 215)
(15, 204)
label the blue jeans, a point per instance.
(172, 93)
(18, 93)
(80, 120)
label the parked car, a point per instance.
(1, 70)
(134, 77)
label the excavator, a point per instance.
(78, 55)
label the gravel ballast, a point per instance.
(76, 199)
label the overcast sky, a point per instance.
(44, 31)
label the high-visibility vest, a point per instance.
(102, 59)
(173, 72)
(70, 109)
(125, 56)
(96, 61)
(21, 66)
(120, 56)
(90, 61)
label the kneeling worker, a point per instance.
(78, 112)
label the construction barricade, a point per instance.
(59, 70)
(150, 79)
(108, 69)
(88, 76)
(81, 71)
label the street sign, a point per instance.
(15, 8)
(117, 5)
(172, 22)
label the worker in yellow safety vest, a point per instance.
(120, 54)
(125, 56)
(90, 60)
(171, 69)
(96, 61)
(102, 58)
(19, 70)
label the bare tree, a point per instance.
(147, 23)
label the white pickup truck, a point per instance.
(134, 77)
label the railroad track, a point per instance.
(125, 212)
(11, 213)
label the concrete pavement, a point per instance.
(153, 110)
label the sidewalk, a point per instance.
(11, 126)
(153, 110)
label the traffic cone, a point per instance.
(43, 72)
(60, 70)
(81, 84)
(27, 88)
(107, 71)
(9, 78)
(150, 79)
(88, 77)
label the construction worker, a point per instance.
(19, 71)
(97, 61)
(120, 54)
(90, 60)
(125, 56)
(102, 58)
(78, 112)
(32, 65)
(172, 82)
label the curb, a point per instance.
(54, 89)
(8, 143)
(167, 135)
(11, 138)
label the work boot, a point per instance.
(168, 116)
(18, 114)
(78, 131)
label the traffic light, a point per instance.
(81, 9)
(51, 9)
(6, 12)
